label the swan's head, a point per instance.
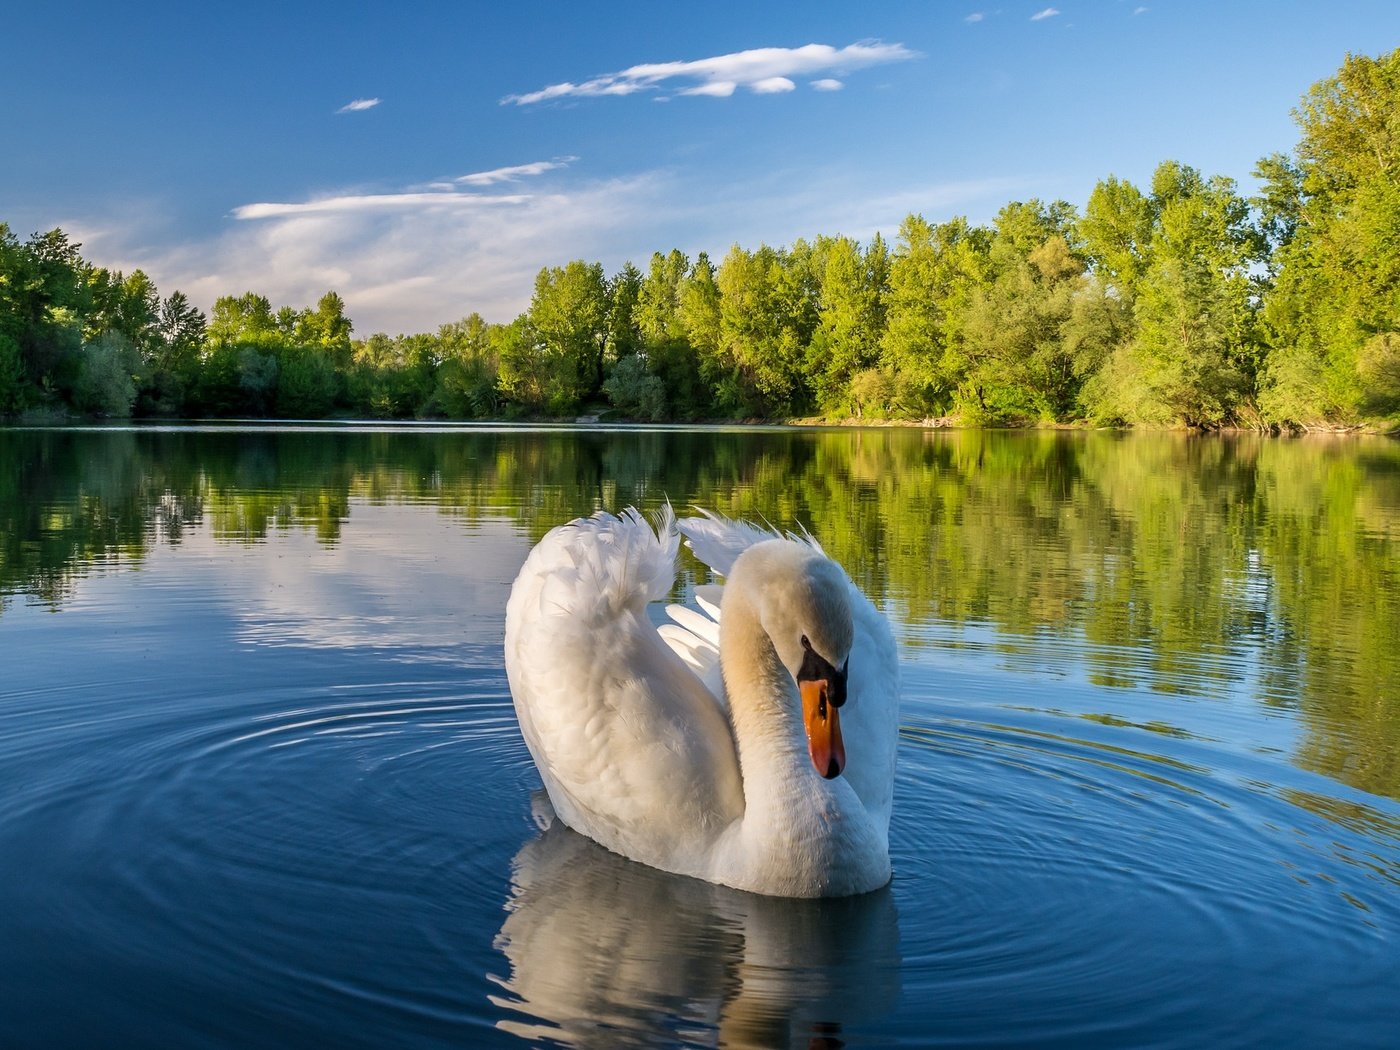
(806, 613)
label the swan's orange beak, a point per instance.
(823, 726)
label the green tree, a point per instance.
(933, 274)
(568, 320)
(1196, 351)
(1336, 285)
(850, 317)
(106, 383)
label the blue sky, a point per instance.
(220, 148)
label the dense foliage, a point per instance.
(1183, 303)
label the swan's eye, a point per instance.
(838, 684)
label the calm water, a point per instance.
(261, 783)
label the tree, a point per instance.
(1336, 281)
(623, 291)
(568, 325)
(634, 391)
(850, 317)
(106, 381)
(933, 273)
(1195, 355)
(467, 373)
(767, 315)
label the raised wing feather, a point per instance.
(631, 746)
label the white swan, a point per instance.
(777, 779)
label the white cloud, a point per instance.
(1049, 12)
(362, 202)
(827, 84)
(976, 16)
(773, 86)
(358, 105)
(758, 69)
(1140, 10)
(513, 173)
(403, 261)
(714, 89)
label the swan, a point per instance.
(750, 743)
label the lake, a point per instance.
(261, 781)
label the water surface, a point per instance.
(261, 783)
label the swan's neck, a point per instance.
(765, 712)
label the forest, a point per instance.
(1183, 303)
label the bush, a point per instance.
(634, 391)
(106, 381)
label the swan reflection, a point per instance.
(605, 952)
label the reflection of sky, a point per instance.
(1210, 696)
(398, 576)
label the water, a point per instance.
(261, 784)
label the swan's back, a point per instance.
(632, 748)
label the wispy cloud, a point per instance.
(828, 84)
(763, 70)
(1140, 10)
(976, 16)
(513, 173)
(1049, 12)
(359, 105)
(365, 202)
(434, 196)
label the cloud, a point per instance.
(828, 84)
(358, 105)
(1040, 16)
(371, 202)
(404, 261)
(976, 16)
(513, 173)
(773, 86)
(1140, 10)
(763, 70)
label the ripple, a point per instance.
(1080, 866)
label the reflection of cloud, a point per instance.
(369, 589)
(764, 70)
(359, 105)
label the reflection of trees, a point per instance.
(1171, 560)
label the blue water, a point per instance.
(261, 784)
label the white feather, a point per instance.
(628, 722)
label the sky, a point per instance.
(425, 160)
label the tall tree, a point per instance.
(1334, 308)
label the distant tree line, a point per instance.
(1179, 303)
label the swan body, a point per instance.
(750, 743)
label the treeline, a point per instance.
(1179, 303)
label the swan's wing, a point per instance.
(695, 638)
(718, 541)
(632, 748)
